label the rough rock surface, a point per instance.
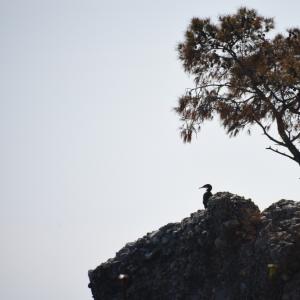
(230, 251)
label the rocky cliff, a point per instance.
(229, 251)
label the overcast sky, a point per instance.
(90, 149)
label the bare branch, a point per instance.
(296, 137)
(268, 135)
(281, 153)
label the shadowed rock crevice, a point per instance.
(229, 251)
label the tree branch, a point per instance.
(295, 137)
(268, 135)
(281, 153)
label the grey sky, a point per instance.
(91, 155)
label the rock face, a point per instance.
(230, 251)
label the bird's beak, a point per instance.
(201, 187)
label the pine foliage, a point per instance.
(245, 77)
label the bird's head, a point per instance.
(206, 186)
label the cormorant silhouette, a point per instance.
(207, 194)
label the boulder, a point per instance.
(229, 251)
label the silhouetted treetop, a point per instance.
(244, 77)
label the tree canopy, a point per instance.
(245, 76)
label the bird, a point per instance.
(207, 194)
